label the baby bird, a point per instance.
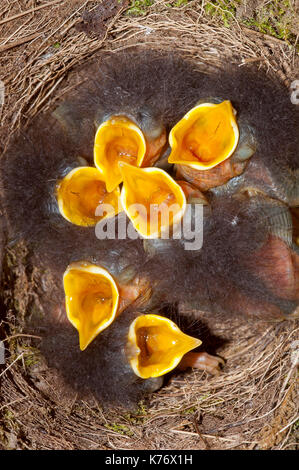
(127, 341)
(109, 131)
(117, 97)
(247, 264)
(264, 155)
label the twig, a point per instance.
(288, 425)
(188, 433)
(21, 27)
(206, 445)
(20, 334)
(262, 35)
(7, 7)
(13, 402)
(48, 94)
(27, 12)
(19, 42)
(290, 373)
(10, 365)
(253, 59)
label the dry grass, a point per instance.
(254, 402)
(33, 73)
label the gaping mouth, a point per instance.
(117, 140)
(91, 299)
(206, 136)
(79, 194)
(156, 345)
(152, 200)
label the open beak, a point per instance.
(152, 200)
(206, 136)
(81, 192)
(117, 140)
(91, 299)
(156, 345)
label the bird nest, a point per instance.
(253, 403)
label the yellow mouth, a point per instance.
(152, 200)
(206, 136)
(91, 299)
(156, 345)
(117, 140)
(81, 192)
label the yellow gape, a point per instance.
(206, 136)
(152, 200)
(156, 345)
(91, 299)
(81, 192)
(117, 140)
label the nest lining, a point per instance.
(254, 402)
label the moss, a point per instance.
(31, 357)
(138, 417)
(119, 429)
(180, 3)
(8, 422)
(223, 9)
(274, 18)
(190, 411)
(8, 415)
(142, 410)
(139, 7)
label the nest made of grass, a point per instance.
(254, 402)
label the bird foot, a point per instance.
(202, 361)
